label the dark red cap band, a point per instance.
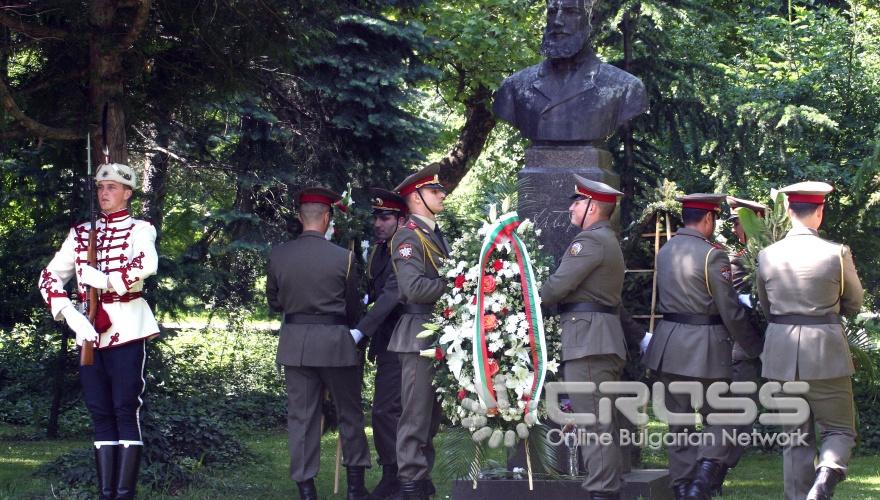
(315, 198)
(389, 205)
(702, 205)
(411, 188)
(815, 199)
(604, 197)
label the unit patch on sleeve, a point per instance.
(576, 248)
(405, 250)
(725, 273)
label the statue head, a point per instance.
(568, 28)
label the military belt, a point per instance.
(693, 319)
(803, 319)
(589, 307)
(109, 298)
(418, 308)
(315, 319)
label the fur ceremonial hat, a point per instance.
(117, 172)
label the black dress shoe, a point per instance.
(707, 475)
(412, 490)
(388, 486)
(717, 488)
(823, 487)
(680, 488)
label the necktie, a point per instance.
(440, 237)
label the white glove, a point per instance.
(357, 335)
(745, 300)
(646, 341)
(94, 278)
(80, 325)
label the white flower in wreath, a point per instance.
(455, 361)
(552, 365)
(450, 335)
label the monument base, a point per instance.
(647, 484)
(546, 182)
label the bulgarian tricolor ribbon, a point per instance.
(504, 230)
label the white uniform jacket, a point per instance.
(126, 252)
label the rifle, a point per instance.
(87, 354)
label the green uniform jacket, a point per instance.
(416, 255)
(693, 277)
(738, 274)
(591, 270)
(804, 274)
(311, 275)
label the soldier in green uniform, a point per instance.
(417, 250)
(805, 283)
(389, 212)
(587, 286)
(315, 284)
(693, 340)
(745, 367)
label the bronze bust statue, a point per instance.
(572, 96)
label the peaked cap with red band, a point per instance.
(317, 194)
(754, 206)
(807, 192)
(428, 177)
(710, 202)
(384, 201)
(594, 190)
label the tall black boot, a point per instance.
(354, 475)
(389, 485)
(680, 488)
(717, 488)
(105, 461)
(412, 490)
(127, 466)
(307, 490)
(823, 487)
(707, 475)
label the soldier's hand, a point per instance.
(80, 325)
(94, 278)
(356, 335)
(646, 341)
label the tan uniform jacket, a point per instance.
(804, 274)
(693, 277)
(416, 256)
(311, 275)
(590, 271)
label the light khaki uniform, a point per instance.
(693, 277)
(416, 254)
(805, 275)
(312, 276)
(593, 344)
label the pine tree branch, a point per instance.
(34, 127)
(35, 31)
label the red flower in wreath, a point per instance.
(448, 312)
(459, 281)
(490, 322)
(439, 354)
(497, 265)
(489, 284)
(462, 394)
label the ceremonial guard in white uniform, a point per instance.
(114, 383)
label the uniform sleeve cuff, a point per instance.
(118, 284)
(57, 305)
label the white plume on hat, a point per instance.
(117, 172)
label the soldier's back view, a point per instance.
(314, 283)
(804, 284)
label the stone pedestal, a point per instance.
(645, 484)
(546, 182)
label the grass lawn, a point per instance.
(759, 476)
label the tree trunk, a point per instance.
(106, 83)
(478, 125)
(155, 179)
(59, 371)
(627, 171)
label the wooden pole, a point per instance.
(654, 285)
(338, 464)
(529, 465)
